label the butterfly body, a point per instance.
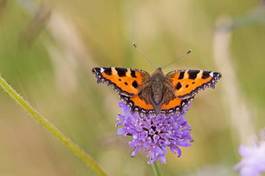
(157, 92)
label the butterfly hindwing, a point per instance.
(136, 103)
(187, 83)
(125, 80)
(139, 104)
(175, 105)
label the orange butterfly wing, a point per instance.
(126, 81)
(187, 83)
(138, 104)
(175, 105)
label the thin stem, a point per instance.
(68, 143)
(155, 169)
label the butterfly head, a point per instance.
(158, 71)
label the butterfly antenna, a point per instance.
(146, 58)
(179, 57)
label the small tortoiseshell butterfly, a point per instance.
(157, 92)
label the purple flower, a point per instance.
(154, 134)
(253, 159)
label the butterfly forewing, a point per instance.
(188, 82)
(126, 81)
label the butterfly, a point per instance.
(156, 93)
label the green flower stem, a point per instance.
(68, 143)
(155, 169)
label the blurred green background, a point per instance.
(47, 50)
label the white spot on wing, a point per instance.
(186, 75)
(128, 73)
(199, 75)
(114, 71)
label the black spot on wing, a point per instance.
(181, 75)
(205, 74)
(178, 86)
(133, 74)
(121, 71)
(135, 84)
(107, 70)
(193, 74)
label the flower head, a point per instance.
(253, 159)
(154, 134)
